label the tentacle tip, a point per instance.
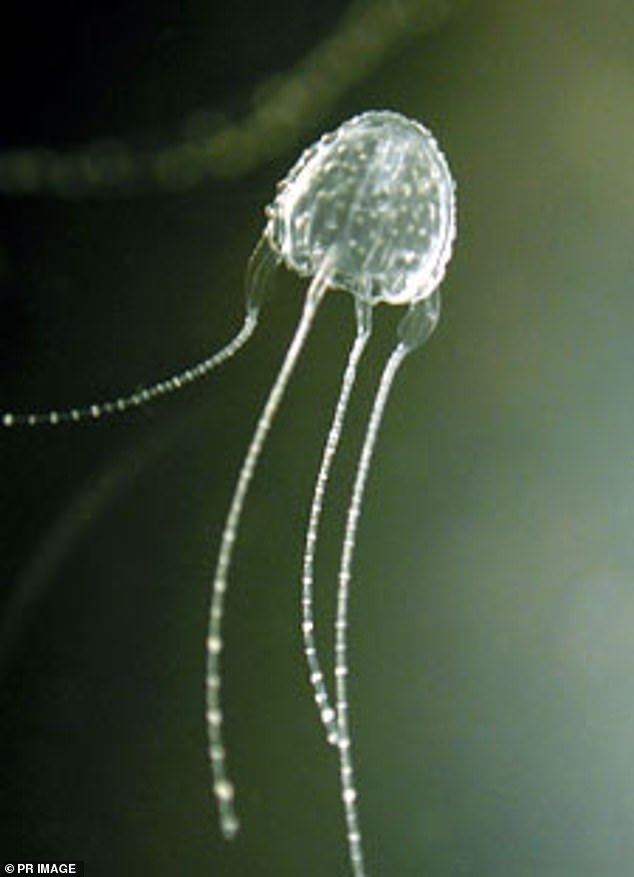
(230, 826)
(224, 794)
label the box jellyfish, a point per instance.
(369, 209)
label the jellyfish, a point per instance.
(369, 209)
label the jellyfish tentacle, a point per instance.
(315, 671)
(420, 321)
(222, 786)
(262, 263)
(142, 396)
(414, 329)
(259, 270)
(346, 765)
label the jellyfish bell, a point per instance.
(377, 197)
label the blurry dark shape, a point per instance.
(213, 148)
(90, 501)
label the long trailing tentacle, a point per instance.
(121, 404)
(346, 766)
(315, 672)
(414, 329)
(222, 786)
(260, 266)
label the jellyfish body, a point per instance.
(368, 209)
(375, 197)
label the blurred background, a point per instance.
(493, 602)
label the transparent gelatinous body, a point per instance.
(376, 198)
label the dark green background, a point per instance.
(493, 606)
